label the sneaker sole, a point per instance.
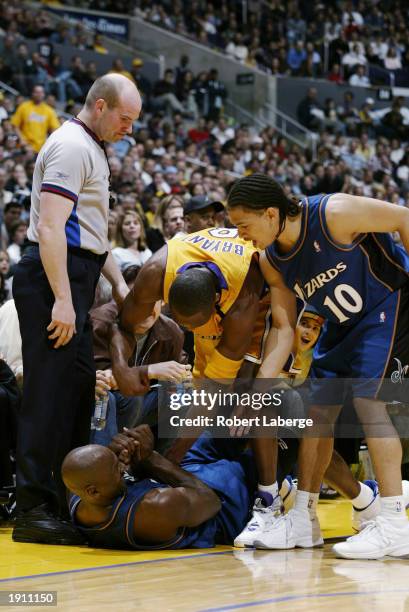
(261, 545)
(243, 544)
(401, 554)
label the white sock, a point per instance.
(393, 508)
(364, 498)
(272, 489)
(306, 502)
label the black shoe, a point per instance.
(38, 525)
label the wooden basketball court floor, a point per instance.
(222, 578)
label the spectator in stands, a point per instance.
(143, 84)
(199, 133)
(276, 67)
(217, 93)
(236, 49)
(353, 58)
(119, 68)
(5, 195)
(61, 34)
(12, 214)
(331, 116)
(164, 94)
(404, 110)
(379, 47)
(181, 70)
(35, 120)
(37, 73)
(296, 25)
(98, 44)
(130, 241)
(18, 184)
(201, 93)
(311, 66)
(18, 234)
(76, 83)
(392, 61)
(296, 56)
(168, 221)
(5, 285)
(359, 78)
(392, 123)
(353, 160)
(351, 17)
(332, 181)
(4, 106)
(365, 117)
(223, 132)
(200, 213)
(113, 218)
(6, 72)
(348, 113)
(402, 173)
(185, 94)
(309, 111)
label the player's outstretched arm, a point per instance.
(162, 512)
(349, 216)
(283, 311)
(137, 307)
(147, 290)
(130, 380)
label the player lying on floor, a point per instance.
(207, 500)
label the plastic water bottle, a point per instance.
(99, 418)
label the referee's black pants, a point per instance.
(59, 384)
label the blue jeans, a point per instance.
(126, 412)
(104, 436)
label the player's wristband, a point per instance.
(220, 366)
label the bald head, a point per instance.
(111, 88)
(112, 105)
(85, 465)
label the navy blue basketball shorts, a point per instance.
(371, 357)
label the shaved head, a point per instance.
(92, 470)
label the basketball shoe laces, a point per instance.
(380, 524)
(269, 513)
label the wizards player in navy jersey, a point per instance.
(336, 252)
(206, 500)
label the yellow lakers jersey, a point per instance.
(229, 257)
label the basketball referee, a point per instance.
(54, 288)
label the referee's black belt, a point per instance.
(76, 251)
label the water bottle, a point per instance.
(99, 418)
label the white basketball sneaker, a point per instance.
(265, 510)
(378, 539)
(361, 517)
(290, 530)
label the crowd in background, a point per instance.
(290, 38)
(171, 153)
